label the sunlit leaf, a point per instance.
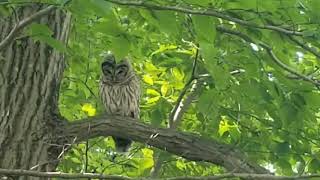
(153, 92)
(148, 79)
(89, 109)
(164, 89)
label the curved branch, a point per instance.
(23, 23)
(20, 172)
(182, 144)
(288, 69)
(204, 12)
(271, 54)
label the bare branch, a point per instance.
(22, 24)
(182, 144)
(306, 47)
(176, 111)
(271, 54)
(20, 172)
(204, 12)
(287, 68)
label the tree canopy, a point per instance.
(242, 73)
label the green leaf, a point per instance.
(109, 26)
(314, 165)
(4, 10)
(120, 46)
(153, 92)
(207, 50)
(177, 74)
(168, 22)
(314, 11)
(36, 29)
(156, 117)
(286, 167)
(205, 28)
(289, 113)
(41, 32)
(207, 104)
(147, 79)
(164, 89)
(58, 45)
(101, 7)
(283, 148)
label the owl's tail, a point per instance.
(122, 145)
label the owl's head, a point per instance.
(114, 72)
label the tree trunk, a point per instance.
(30, 73)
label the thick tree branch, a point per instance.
(271, 54)
(182, 144)
(22, 24)
(19, 172)
(204, 12)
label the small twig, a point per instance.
(84, 83)
(288, 69)
(23, 23)
(237, 71)
(65, 148)
(306, 47)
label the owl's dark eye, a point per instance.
(107, 67)
(107, 72)
(121, 69)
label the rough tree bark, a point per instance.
(30, 73)
(32, 132)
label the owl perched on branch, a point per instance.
(120, 93)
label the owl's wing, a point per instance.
(138, 96)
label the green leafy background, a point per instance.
(264, 111)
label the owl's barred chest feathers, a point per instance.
(120, 93)
(121, 98)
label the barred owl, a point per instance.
(120, 93)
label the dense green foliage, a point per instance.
(265, 110)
